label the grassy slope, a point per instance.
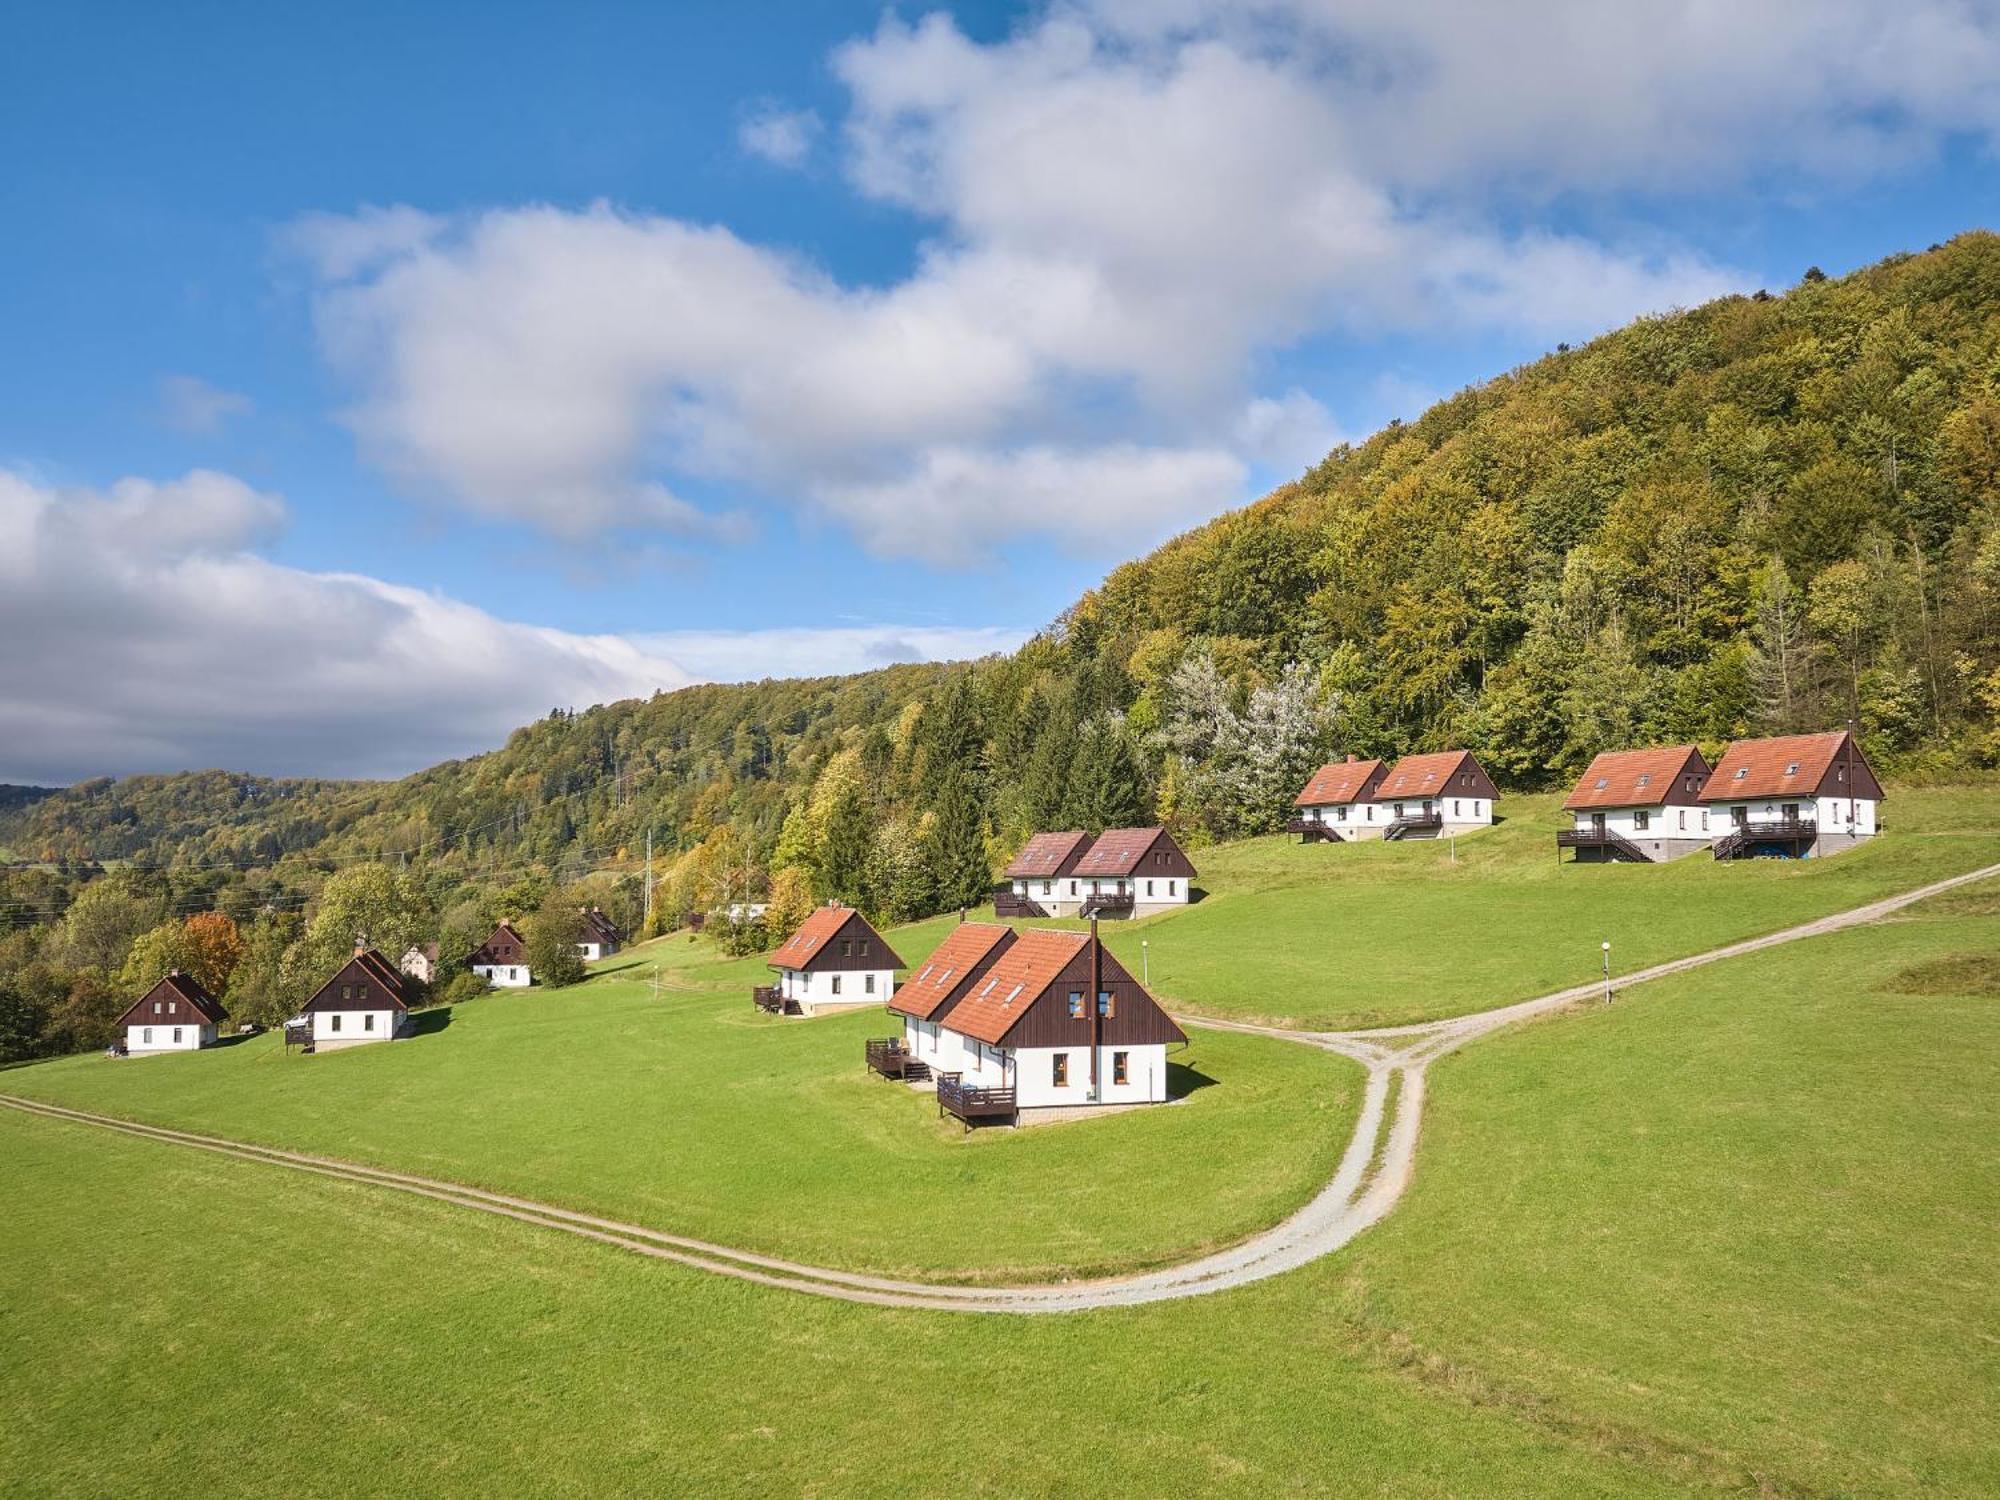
(1749, 1211)
(234, 1330)
(693, 1114)
(1380, 934)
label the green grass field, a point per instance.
(1375, 934)
(692, 1113)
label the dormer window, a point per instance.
(1603, 782)
(1645, 778)
(1741, 772)
(1792, 769)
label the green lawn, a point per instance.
(1749, 1214)
(1382, 934)
(692, 1113)
(175, 1324)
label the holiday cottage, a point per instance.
(1134, 872)
(601, 937)
(1338, 803)
(176, 1015)
(834, 960)
(420, 962)
(1792, 797)
(1054, 1021)
(1638, 805)
(502, 960)
(1434, 796)
(926, 998)
(1042, 880)
(364, 1001)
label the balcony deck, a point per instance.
(1415, 823)
(1614, 844)
(768, 998)
(887, 1056)
(1007, 903)
(971, 1104)
(1782, 838)
(1312, 831)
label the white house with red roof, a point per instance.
(601, 937)
(175, 1015)
(925, 1000)
(1042, 880)
(1049, 1020)
(364, 1001)
(835, 960)
(1642, 806)
(1794, 796)
(1134, 872)
(1434, 796)
(1337, 805)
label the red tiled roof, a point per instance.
(1336, 782)
(1015, 982)
(1637, 778)
(796, 951)
(1419, 775)
(970, 945)
(1045, 855)
(1791, 765)
(1116, 851)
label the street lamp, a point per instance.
(1145, 964)
(1607, 972)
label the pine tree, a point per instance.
(848, 839)
(958, 856)
(1778, 669)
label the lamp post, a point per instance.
(1607, 972)
(1145, 965)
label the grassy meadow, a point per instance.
(687, 1111)
(1729, 1235)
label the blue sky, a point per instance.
(374, 379)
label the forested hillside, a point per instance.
(1768, 513)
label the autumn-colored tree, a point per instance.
(213, 949)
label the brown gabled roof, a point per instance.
(602, 927)
(383, 970)
(1014, 982)
(1117, 851)
(1638, 778)
(1420, 775)
(960, 957)
(1338, 781)
(1047, 855)
(483, 954)
(184, 986)
(1792, 765)
(377, 970)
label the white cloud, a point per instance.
(750, 655)
(191, 405)
(783, 137)
(1128, 209)
(139, 632)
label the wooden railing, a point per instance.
(769, 997)
(1010, 903)
(968, 1102)
(1117, 903)
(1312, 830)
(1777, 831)
(1601, 838)
(1414, 823)
(889, 1057)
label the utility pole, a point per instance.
(1607, 973)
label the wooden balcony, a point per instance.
(971, 1104)
(1616, 845)
(1783, 838)
(1312, 831)
(1414, 823)
(1112, 904)
(768, 998)
(888, 1056)
(1007, 903)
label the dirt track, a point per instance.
(1354, 1199)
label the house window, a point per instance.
(333, 1022)
(864, 947)
(1076, 1005)
(1121, 1070)
(836, 984)
(1061, 1066)
(347, 992)
(1454, 807)
(156, 1007)
(146, 1035)
(1149, 887)
(177, 1036)
(368, 1021)
(1704, 820)
(361, 992)
(868, 984)
(1684, 819)
(1741, 772)
(1371, 812)
(846, 947)
(1792, 769)
(1340, 814)
(1171, 887)
(1642, 820)
(1072, 887)
(1048, 887)
(1104, 1003)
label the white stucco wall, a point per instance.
(505, 976)
(347, 1027)
(1457, 812)
(152, 1038)
(827, 987)
(1843, 815)
(1674, 821)
(1034, 1076)
(1351, 820)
